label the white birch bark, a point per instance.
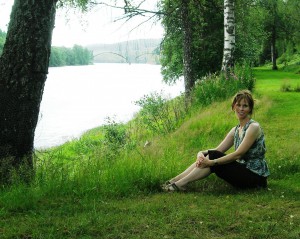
(229, 35)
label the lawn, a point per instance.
(211, 208)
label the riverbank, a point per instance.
(211, 210)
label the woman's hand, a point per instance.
(200, 154)
(203, 162)
(200, 157)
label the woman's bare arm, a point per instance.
(251, 135)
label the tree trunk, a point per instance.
(273, 47)
(23, 72)
(189, 80)
(229, 35)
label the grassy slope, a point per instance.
(213, 210)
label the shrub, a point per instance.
(114, 133)
(116, 138)
(297, 88)
(215, 87)
(160, 114)
(286, 87)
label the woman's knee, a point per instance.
(214, 154)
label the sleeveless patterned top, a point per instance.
(254, 159)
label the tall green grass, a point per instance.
(107, 183)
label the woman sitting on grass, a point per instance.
(245, 167)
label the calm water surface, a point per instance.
(78, 98)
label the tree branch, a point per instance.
(132, 10)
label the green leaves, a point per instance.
(206, 24)
(83, 5)
(159, 114)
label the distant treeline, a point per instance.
(63, 56)
(77, 55)
(2, 40)
(134, 51)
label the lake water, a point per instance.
(78, 98)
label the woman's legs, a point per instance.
(183, 174)
(195, 174)
(192, 173)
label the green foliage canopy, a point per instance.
(206, 22)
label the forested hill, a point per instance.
(134, 51)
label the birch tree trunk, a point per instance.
(23, 72)
(229, 35)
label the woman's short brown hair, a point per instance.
(246, 95)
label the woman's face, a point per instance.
(242, 109)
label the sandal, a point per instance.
(173, 188)
(165, 184)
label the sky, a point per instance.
(96, 26)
